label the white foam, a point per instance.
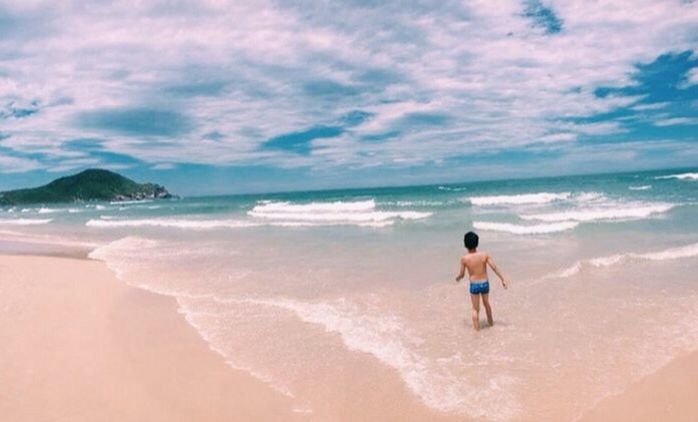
(522, 229)
(688, 251)
(361, 213)
(389, 339)
(135, 201)
(314, 207)
(681, 176)
(44, 210)
(172, 223)
(617, 211)
(42, 239)
(25, 221)
(376, 216)
(451, 189)
(642, 187)
(526, 198)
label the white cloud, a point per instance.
(16, 165)
(691, 78)
(676, 121)
(501, 81)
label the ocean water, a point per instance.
(296, 288)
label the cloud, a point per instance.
(691, 78)
(339, 85)
(9, 164)
(676, 121)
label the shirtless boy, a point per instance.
(476, 263)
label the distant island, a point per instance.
(88, 185)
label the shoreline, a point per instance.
(82, 345)
(90, 347)
(111, 351)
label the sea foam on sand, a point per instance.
(687, 251)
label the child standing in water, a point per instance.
(476, 263)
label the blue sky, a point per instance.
(217, 97)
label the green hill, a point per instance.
(89, 185)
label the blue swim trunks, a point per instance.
(479, 287)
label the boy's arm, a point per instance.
(461, 273)
(494, 267)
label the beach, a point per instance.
(80, 345)
(342, 305)
(669, 394)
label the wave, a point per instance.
(174, 223)
(314, 207)
(643, 187)
(43, 239)
(451, 189)
(44, 210)
(420, 203)
(376, 216)
(526, 198)
(688, 251)
(25, 221)
(617, 212)
(389, 339)
(362, 213)
(109, 223)
(680, 176)
(521, 229)
(135, 201)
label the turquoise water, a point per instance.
(602, 270)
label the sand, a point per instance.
(670, 394)
(79, 345)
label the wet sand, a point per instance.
(79, 345)
(670, 394)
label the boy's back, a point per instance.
(476, 263)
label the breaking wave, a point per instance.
(614, 212)
(174, 223)
(25, 221)
(687, 251)
(526, 198)
(522, 229)
(680, 176)
(362, 213)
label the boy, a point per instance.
(476, 263)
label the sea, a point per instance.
(314, 292)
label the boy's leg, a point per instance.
(475, 299)
(488, 309)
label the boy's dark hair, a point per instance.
(471, 240)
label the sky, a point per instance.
(212, 97)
